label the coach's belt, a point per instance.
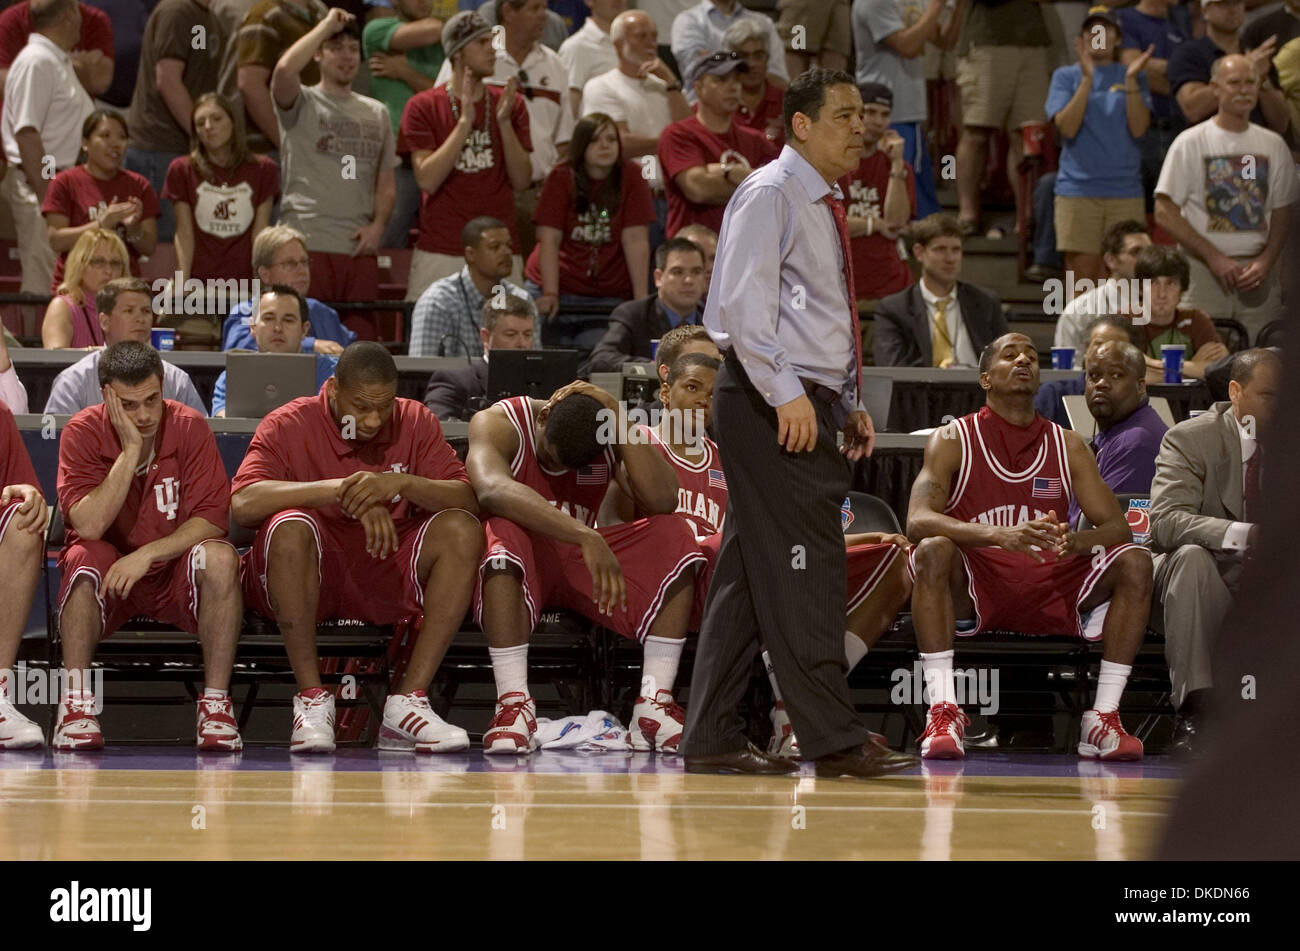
(821, 392)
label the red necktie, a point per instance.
(842, 225)
(1253, 465)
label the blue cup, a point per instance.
(1063, 358)
(163, 338)
(654, 349)
(1173, 355)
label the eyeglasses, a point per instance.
(112, 264)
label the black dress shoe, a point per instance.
(1189, 738)
(750, 760)
(865, 761)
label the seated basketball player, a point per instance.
(878, 584)
(22, 545)
(363, 512)
(541, 470)
(986, 517)
(146, 506)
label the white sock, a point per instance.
(936, 669)
(854, 649)
(212, 693)
(659, 664)
(1111, 681)
(771, 678)
(510, 668)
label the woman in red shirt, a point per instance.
(99, 193)
(72, 318)
(222, 195)
(593, 239)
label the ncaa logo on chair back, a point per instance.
(167, 495)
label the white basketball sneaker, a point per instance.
(411, 724)
(945, 730)
(657, 724)
(1104, 737)
(513, 730)
(16, 731)
(217, 730)
(77, 728)
(313, 721)
(783, 742)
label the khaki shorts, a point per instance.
(825, 22)
(1003, 87)
(427, 267)
(1254, 308)
(1081, 222)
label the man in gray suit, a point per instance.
(1204, 519)
(939, 321)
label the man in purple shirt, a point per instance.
(1128, 429)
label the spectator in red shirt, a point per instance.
(92, 57)
(72, 318)
(363, 511)
(469, 146)
(762, 103)
(593, 235)
(146, 503)
(100, 193)
(222, 195)
(881, 199)
(22, 549)
(707, 155)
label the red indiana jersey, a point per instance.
(301, 442)
(184, 478)
(575, 492)
(701, 485)
(17, 465)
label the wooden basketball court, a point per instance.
(167, 803)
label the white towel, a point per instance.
(597, 731)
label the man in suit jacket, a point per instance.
(938, 321)
(679, 283)
(1204, 519)
(459, 392)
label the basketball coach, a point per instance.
(781, 309)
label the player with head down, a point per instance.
(23, 514)
(878, 583)
(365, 513)
(992, 550)
(541, 470)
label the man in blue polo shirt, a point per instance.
(280, 327)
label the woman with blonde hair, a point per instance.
(72, 319)
(222, 195)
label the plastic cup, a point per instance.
(654, 349)
(1063, 358)
(163, 338)
(1173, 355)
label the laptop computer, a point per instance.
(535, 373)
(257, 383)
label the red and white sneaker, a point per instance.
(16, 731)
(657, 724)
(313, 721)
(783, 742)
(411, 724)
(1104, 737)
(217, 730)
(77, 728)
(513, 730)
(945, 729)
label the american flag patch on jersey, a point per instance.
(1047, 489)
(594, 475)
(716, 479)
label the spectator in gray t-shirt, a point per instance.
(337, 159)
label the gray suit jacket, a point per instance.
(902, 325)
(1198, 492)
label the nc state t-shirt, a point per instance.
(877, 268)
(686, 144)
(591, 246)
(223, 209)
(82, 198)
(479, 183)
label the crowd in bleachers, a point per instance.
(556, 177)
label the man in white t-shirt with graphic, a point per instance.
(1225, 193)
